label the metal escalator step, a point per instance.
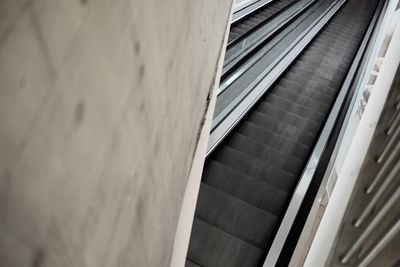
(238, 30)
(319, 49)
(343, 64)
(259, 118)
(334, 43)
(304, 96)
(323, 54)
(269, 11)
(308, 107)
(281, 4)
(342, 37)
(350, 28)
(323, 80)
(273, 128)
(329, 71)
(256, 20)
(259, 16)
(300, 126)
(299, 110)
(329, 57)
(276, 141)
(272, 139)
(245, 27)
(255, 168)
(317, 85)
(233, 35)
(255, 192)
(265, 154)
(210, 246)
(234, 216)
(285, 116)
(278, 128)
(249, 23)
(326, 55)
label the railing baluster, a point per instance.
(397, 102)
(378, 195)
(392, 125)
(382, 171)
(381, 245)
(394, 105)
(388, 145)
(385, 209)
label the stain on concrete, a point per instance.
(142, 72)
(38, 258)
(157, 147)
(22, 83)
(142, 107)
(40, 38)
(79, 112)
(137, 48)
(6, 177)
(84, 2)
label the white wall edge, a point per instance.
(185, 220)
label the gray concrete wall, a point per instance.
(101, 107)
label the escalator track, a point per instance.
(249, 179)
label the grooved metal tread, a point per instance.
(249, 179)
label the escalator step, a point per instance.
(259, 118)
(287, 117)
(255, 192)
(277, 141)
(210, 246)
(317, 85)
(286, 130)
(299, 111)
(255, 168)
(304, 96)
(265, 154)
(234, 216)
(330, 71)
(300, 108)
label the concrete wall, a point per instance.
(101, 107)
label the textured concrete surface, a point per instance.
(186, 216)
(101, 106)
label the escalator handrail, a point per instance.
(247, 9)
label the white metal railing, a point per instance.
(371, 214)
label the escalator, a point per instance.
(250, 177)
(257, 18)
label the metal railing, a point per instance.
(372, 222)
